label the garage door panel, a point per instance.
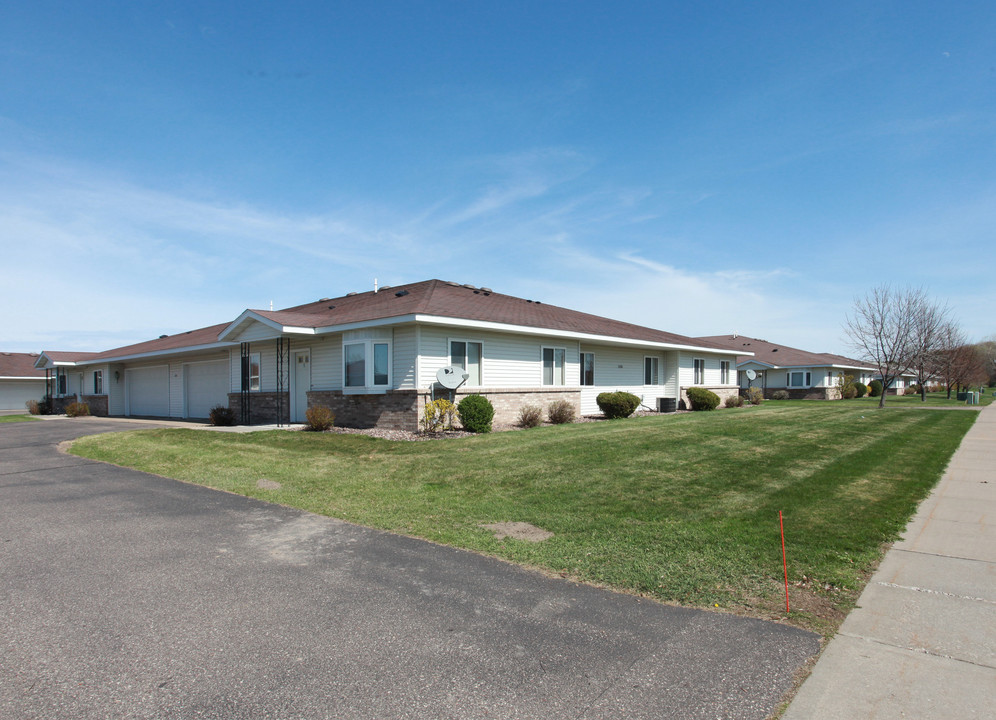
(148, 391)
(206, 386)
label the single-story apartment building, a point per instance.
(20, 381)
(373, 357)
(802, 373)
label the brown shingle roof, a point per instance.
(431, 297)
(190, 338)
(781, 355)
(19, 365)
(450, 300)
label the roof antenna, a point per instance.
(375, 286)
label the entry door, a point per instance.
(302, 384)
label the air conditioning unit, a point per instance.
(667, 405)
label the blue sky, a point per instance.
(702, 168)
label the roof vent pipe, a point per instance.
(375, 286)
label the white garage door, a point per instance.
(14, 393)
(148, 391)
(206, 386)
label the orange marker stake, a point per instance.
(785, 566)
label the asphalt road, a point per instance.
(126, 595)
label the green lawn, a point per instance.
(16, 418)
(933, 400)
(683, 508)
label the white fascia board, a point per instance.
(294, 330)
(248, 315)
(159, 353)
(522, 330)
(22, 377)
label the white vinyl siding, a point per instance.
(510, 361)
(404, 357)
(623, 369)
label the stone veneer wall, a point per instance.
(97, 404)
(393, 410)
(508, 401)
(402, 409)
(263, 406)
(723, 392)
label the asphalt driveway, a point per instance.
(126, 595)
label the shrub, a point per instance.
(733, 401)
(860, 389)
(850, 392)
(77, 409)
(702, 399)
(33, 407)
(780, 395)
(755, 396)
(874, 388)
(476, 413)
(222, 416)
(560, 412)
(439, 415)
(530, 416)
(319, 417)
(617, 404)
(912, 390)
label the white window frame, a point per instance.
(255, 381)
(466, 342)
(807, 379)
(655, 369)
(563, 369)
(370, 385)
(582, 356)
(698, 371)
(724, 372)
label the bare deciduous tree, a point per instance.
(931, 322)
(881, 329)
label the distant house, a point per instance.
(802, 373)
(372, 357)
(20, 380)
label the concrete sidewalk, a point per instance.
(922, 641)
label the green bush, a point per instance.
(320, 418)
(617, 404)
(530, 416)
(733, 401)
(860, 389)
(561, 412)
(476, 413)
(77, 409)
(755, 396)
(874, 388)
(702, 399)
(780, 395)
(222, 416)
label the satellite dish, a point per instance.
(751, 375)
(452, 377)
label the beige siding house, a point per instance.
(373, 358)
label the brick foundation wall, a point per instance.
(97, 404)
(263, 406)
(394, 410)
(509, 401)
(723, 392)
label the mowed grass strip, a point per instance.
(17, 418)
(682, 508)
